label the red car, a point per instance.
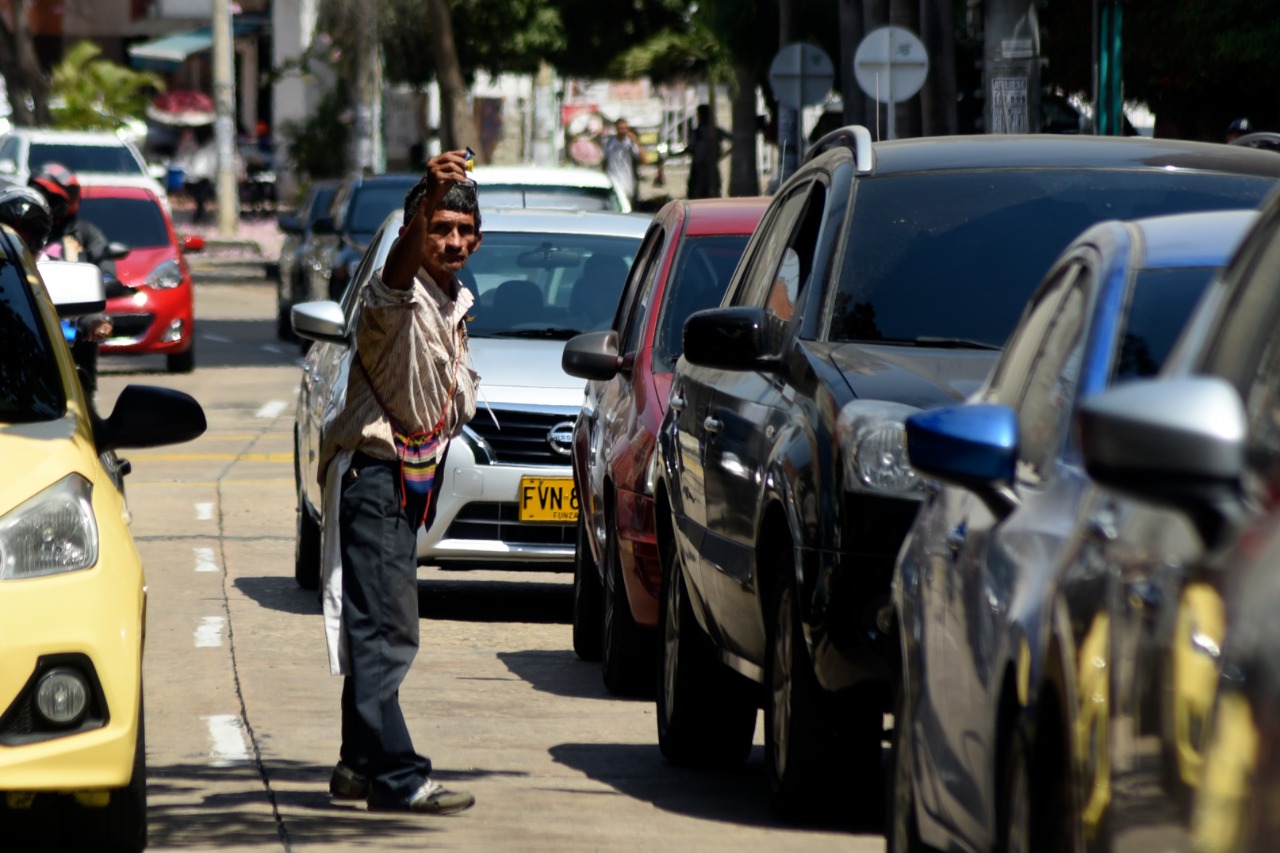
(684, 265)
(160, 316)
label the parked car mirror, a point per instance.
(289, 224)
(322, 225)
(117, 250)
(146, 416)
(593, 355)
(319, 321)
(8, 167)
(191, 243)
(974, 446)
(1173, 442)
(730, 339)
(75, 288)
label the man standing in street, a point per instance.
(410, 389)
(622, 158)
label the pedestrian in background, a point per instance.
(622, 158)
(409, 391)
(705, 154)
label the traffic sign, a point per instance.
(801, 74)
(891, 64)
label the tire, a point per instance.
(706, 712)
(306, 543)
(121, 826)
(284, 324)
(587, 625)
(627, 649)
(181, 362)
(902, 832)
(1015, 824)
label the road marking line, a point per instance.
(209, 633)
(205, 561)
(272, 348)
(206, 484)
(278, 456)
(227, 738)
(218, 338)
(204, 511)
(272, 410)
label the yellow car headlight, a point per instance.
(52, 532)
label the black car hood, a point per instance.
(917, 376)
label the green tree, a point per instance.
(90, 93)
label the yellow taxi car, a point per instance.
(72, 592)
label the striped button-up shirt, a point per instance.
(412, 345)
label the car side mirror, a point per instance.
(289, 224)
(147, 416)
(191, 243)
(730, 339)
(1171, 442)
(75, 288)
(974, 446)
(117, 250)
(593, 355)
(322, 225)
(319, 321)
(8, 167)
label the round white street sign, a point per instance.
(801, 74)
(891, 64)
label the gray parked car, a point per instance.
(509, 497)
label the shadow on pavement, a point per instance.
(219, 343)
(561, 673)
(280, 594)
(738, 795)
(474, 599)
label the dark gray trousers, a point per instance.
(380, 618)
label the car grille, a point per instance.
(523, 437)
(130, 325)
(499, 522)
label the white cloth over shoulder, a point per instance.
(331, 565)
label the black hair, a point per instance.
(460, 198)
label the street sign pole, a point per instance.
(891, 65)
(224, 95)
(800, 74)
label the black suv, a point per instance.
(341, 235)
(883, 279)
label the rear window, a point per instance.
(136, 222)
(560, 198)
(30, 385)
(957, 255)
(85, 158)
(698, 281)
(372, 204)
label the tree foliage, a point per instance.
(90, 93)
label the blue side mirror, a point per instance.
(975, 445)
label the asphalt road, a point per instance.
(242, 715)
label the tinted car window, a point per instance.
(136, 222)
(1161, 303)
(702, 273)
(30, 385)
(921, 259)
(321, 198)
(84, 158)
(372, 204)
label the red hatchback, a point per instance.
(160, 316)
(684, 265)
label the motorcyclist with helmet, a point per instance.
(74, 239)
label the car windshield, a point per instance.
(115, 159)
(702, 272)
(1161, 303)
(320, 203)
(30, 385)
(956, 256)
(136, 222)
(372, 204)
(563, 198)
(552, 285)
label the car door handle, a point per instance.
(677, 402)
(712, 425)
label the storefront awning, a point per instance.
(167, 53)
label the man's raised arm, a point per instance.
(406, 256)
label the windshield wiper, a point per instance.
(952, 343)
(555, 333)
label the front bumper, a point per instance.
(477, 518)
(151, 321)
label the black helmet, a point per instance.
(1240, 125)
(25, 211)
(60, 187)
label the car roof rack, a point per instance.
(852, 136)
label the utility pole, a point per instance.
(366, 89)
(224, 98)
(1011, 66)
(788, 118)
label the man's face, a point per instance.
(451, 238)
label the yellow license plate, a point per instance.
(553, 499)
